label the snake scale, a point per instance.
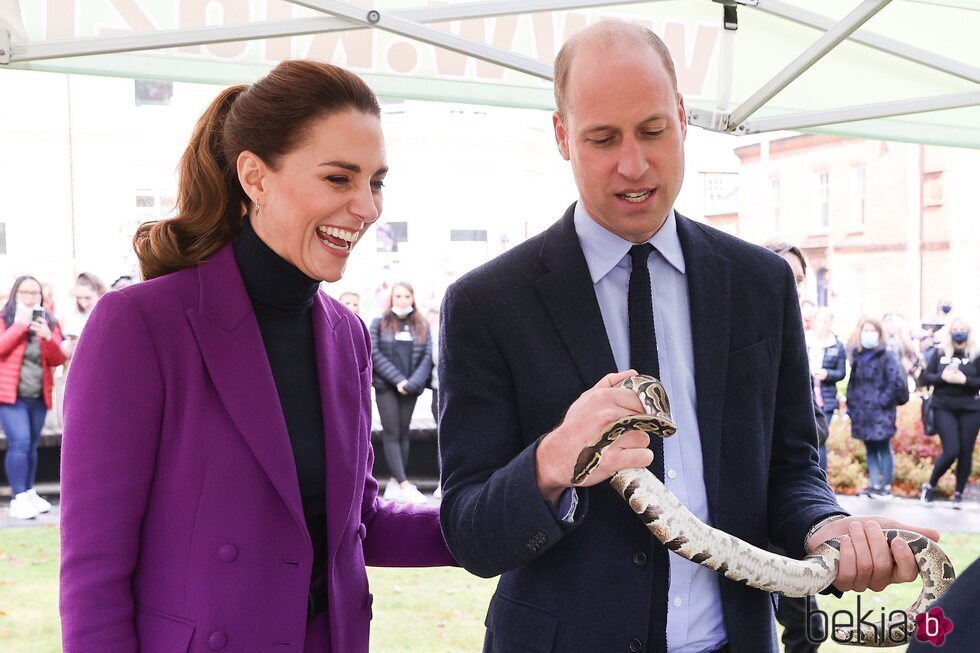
(684, 534)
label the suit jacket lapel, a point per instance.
(231, 344)
(340, 396)
(579, 323)
(708, 284)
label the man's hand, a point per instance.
(586, 418)
(866, 559)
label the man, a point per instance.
(529, 345)
(352, 301)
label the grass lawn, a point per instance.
(415, 610)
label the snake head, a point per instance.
(653, 396)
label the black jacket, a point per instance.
(522, 338)
(386, 373)
(953, 396)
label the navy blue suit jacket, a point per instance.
(522, 338)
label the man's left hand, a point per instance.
(866, 559)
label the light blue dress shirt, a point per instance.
(694, 616)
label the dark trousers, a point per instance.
(22, 422)
(395, 410)
(958, 431)
(791, 614)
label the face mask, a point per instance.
(402, 312)
(869, 339)
(960, 337)
(946, 308)
(21, 306)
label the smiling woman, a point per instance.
(218, 418)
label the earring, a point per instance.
(256, 209)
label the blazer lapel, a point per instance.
(340, 396)
(578, 323)
(231, 344)
(709, 292)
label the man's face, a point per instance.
(623, 132)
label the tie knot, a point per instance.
(640, 254)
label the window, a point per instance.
(857, 198)
(774, 204)
(821, 197)
(152, 92)
(154, 203)
(390, 234)
(823, 287)
(3, 238)
(470, 235)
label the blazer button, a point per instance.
(639, 559)
(228, 553)
(635, 645)
(362, 531)
(218, 640)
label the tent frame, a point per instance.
(414, 24)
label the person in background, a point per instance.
(216, 468)
(807, 309)
(47, 301)
(877, 386)
(123, 281)
(402, 357)
(87, 291)
(828, 365)
(352, 301)
(29, 351)
(938, 320)
(954, 373)
(899, 344)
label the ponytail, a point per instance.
(210, 200)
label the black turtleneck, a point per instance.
(282, 297)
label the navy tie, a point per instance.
(643, 359)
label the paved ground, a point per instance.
(940, 515)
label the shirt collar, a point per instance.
(604, 250)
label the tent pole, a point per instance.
(814, 53)
(797, 121)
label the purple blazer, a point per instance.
(182, 527)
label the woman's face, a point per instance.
(85, 297)
(401, 297)
(318, 203)
(29, 293)
(869, 328)
(821, 322)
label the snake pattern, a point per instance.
(684, 534)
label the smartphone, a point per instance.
(37, 314)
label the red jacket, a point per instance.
(13, 343)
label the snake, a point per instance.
(683, 533)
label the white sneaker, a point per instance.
(411, 494)
(38, 501)
(393, 491)
(21, 507)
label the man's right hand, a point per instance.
(586, 418)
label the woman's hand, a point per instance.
(41, 328)
(953, 375)
(820, 375)
(23, 315)
(401, 387)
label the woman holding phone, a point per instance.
(29, 352)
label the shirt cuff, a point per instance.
(567, 504)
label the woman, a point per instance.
(29, 352)
(216, 485)
(954, 373)
(402, 367)
(900, 345)
(87, 291)
(827, 366)
(876, 387)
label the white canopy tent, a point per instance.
(890, 69)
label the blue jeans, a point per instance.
(879, 462)
(22, 422)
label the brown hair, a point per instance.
(270, 119)
(389, 321)
(785, 248)
(855, 341)
(609, 31)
